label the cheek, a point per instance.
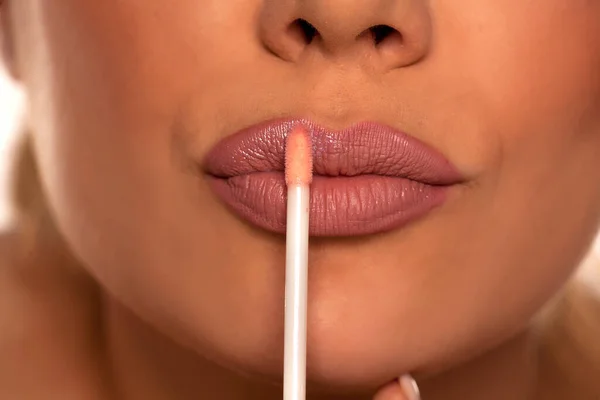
(535, 66)
(106, 86)
(127, 62)
(543, 80)
(533, 70)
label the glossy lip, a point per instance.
(368, 178)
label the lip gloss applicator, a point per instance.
(298, 177)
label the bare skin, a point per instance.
(163, 293)
(55, 332)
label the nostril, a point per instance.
(288, 40)
(304, 29)
(383, 33)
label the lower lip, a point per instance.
(339, 206)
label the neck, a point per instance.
(148, 365)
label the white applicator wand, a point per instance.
(298, 177)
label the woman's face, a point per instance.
(128, 98)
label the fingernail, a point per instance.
(410, 387)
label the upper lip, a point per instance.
(362, 149)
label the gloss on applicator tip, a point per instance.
(298, 177)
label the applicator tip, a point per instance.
(298, 157)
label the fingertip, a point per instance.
(409, 387)
(391, 391)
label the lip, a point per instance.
(368, 178)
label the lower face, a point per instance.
(129, 97)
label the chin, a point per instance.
(334, 371)
(341, 358)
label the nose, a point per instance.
(391, 33)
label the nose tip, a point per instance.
(396, 32)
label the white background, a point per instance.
(11, 100)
